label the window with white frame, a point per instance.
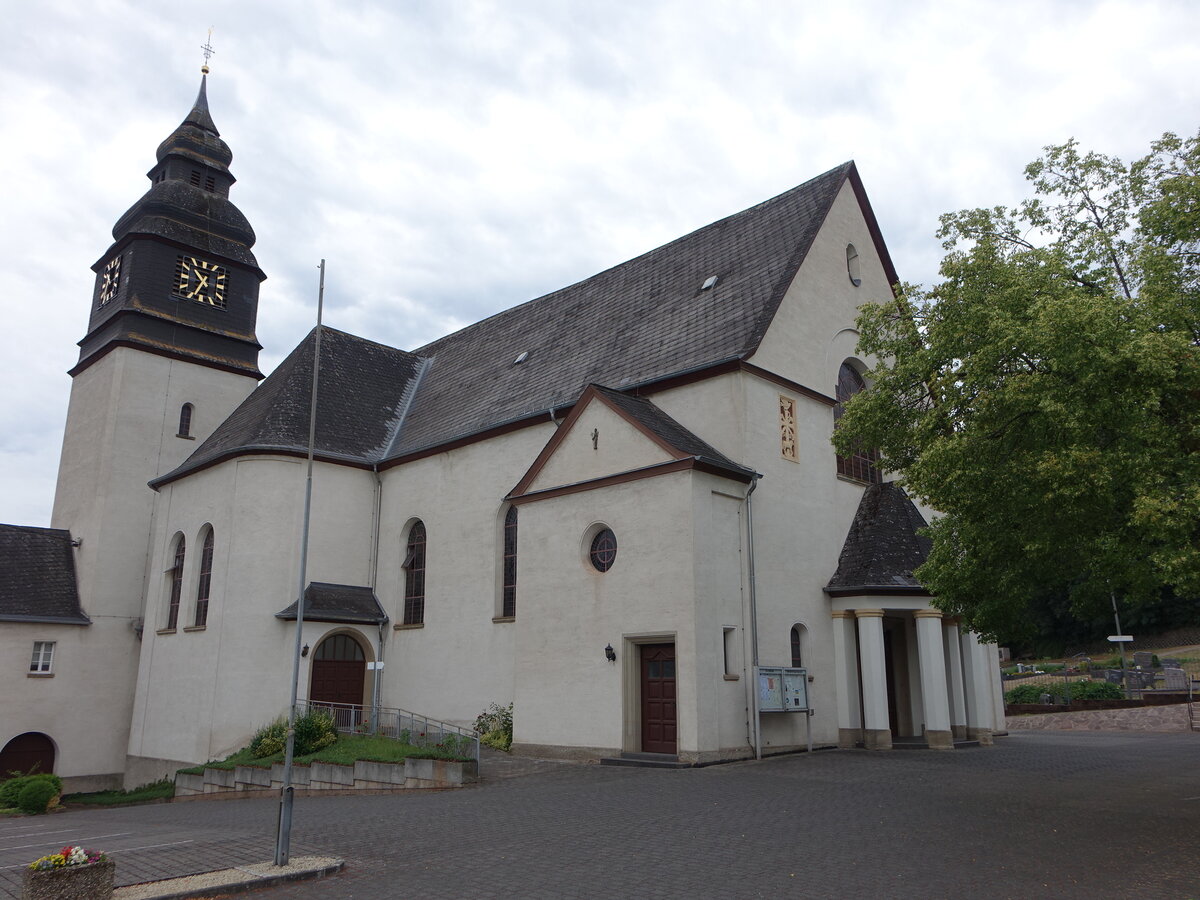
(43, 657)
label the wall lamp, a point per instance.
(610, 654)
(304, 652)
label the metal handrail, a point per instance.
(390, 722)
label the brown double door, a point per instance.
(338, 671)
(658, 698)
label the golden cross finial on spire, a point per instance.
(208, 52)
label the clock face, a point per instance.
(110, 280)
(200, 280)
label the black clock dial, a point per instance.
(200, 280)
(110, 280)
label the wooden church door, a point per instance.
(338, 671)
(658, 698)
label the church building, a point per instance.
(607, 506)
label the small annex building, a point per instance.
(605, 506)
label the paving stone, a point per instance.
(1040, 814)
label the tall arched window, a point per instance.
(798, 646)
(509, 604)
(861, 464)
(202, 588)
(185, 420)
(176, 584)
(414, 575)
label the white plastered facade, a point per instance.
(681, 576)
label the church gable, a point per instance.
(813, 330)
(610, 434)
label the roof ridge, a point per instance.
(843, 168)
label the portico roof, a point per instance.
(883, 547)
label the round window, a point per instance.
(604, 550)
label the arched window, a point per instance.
(185, 420)
(509, 604)
(176, 584)
(414, 575)
(861, 464)
(205, 582)
(798, 646)
(340, 647)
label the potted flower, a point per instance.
(72, 873)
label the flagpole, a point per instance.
(284, 834)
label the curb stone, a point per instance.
(231, 881)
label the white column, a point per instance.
(954, 680)
(877, 731)
(1000, 726)
(978, 688)
(845, 673)
(932, 661)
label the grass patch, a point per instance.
(157, 790)
(348, 749)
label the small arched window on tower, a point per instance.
(861, 464)
(205, 581)
(414, 575)
(508, 607)
(185, 420)
(175, 584)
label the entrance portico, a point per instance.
(903, 669)
(881, 695)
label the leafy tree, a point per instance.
(1044, 397)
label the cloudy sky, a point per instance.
(450, 159)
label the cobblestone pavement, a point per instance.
(1041, 814)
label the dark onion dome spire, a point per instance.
(188, 200)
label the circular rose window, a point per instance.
(604, 550)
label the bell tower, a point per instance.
(169, 353)
(180, 279)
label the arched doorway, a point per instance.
(338, 671)
(28, 752)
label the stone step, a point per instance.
(645, 761)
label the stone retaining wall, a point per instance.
(317, 776)
(1146, 718)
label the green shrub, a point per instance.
(1096, 690)
(9, 790)
(314, 731)
(35, 796)
(1075, 690)
(495, 726)
(270, 739)
(1025, 693)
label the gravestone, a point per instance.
(1175, 679)
(1143, 659)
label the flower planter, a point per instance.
(92, 882)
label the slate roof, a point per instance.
(639, 322)
(883, 547)
(669, 431)
(363, 389)
(37, 576)
(345, 603)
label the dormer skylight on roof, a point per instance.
(709, 283)
(521, 357)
